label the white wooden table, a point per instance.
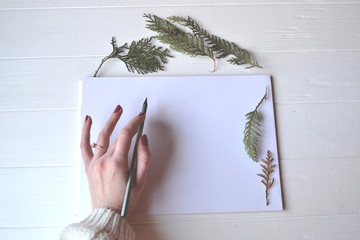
(311, 49)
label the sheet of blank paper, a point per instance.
(195, 128)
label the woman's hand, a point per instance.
(107, 168)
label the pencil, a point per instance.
(133, 165)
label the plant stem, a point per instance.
(255, 65)
(102, 62)
(112, 54)
(214, 64)
(264, 97)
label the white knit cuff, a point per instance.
(102, 223)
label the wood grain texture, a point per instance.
(31, 233)
(33, 4)
(41, 197)
(331, 228)
(49, 134)
(311, 49)
(74, 32)
(302, 77)
(294, 228)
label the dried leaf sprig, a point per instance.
(220, 46)
(197, 43)
(252, 131)
(267, 169)
(177, 39)
(140, 56)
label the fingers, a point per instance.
(85, 147)
(104, 136)
(143, 158)
(123, 142)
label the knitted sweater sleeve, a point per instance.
(101, 224)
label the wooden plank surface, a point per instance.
(311, 49)
(294, 228)
(34, 196)
(331, 228)
(305, 78)
(42, 132)
(260, 28)
(46, 4)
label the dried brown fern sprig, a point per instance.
(267, 169)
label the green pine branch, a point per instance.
(177, 39)
(140, 56)
(143, 57)
(252, 132)
(220, 46)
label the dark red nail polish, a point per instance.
(144, 141)
(117, 109)
(141, 114)
(86, 118)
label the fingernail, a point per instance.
(86, 118)
(144, 141)
(117, 109)
(141, 113)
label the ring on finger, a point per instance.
(95, 145)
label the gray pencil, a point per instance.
(132, 171)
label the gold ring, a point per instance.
(95, 145)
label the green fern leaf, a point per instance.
(177, 39)
(251, 134)
(161, 26)
(142, 56)
(252, 131)
(220, 46)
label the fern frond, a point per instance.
(241, 56)
(161, 26)
(252, 131)
(218, 45)
(251, 134)
(186, 44)
(262, 175)
(142, 56)
(193, 26)
(271, 167)
(271, 183)
(177, 39)
(267, 169)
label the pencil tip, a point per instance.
(145, 101)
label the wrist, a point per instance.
(117, 210)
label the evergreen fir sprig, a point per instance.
(267, 169)
(140, 56)
(220, 46)
(252, 131)
(161, 26)
(178, 40)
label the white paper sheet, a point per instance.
(195, 129)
